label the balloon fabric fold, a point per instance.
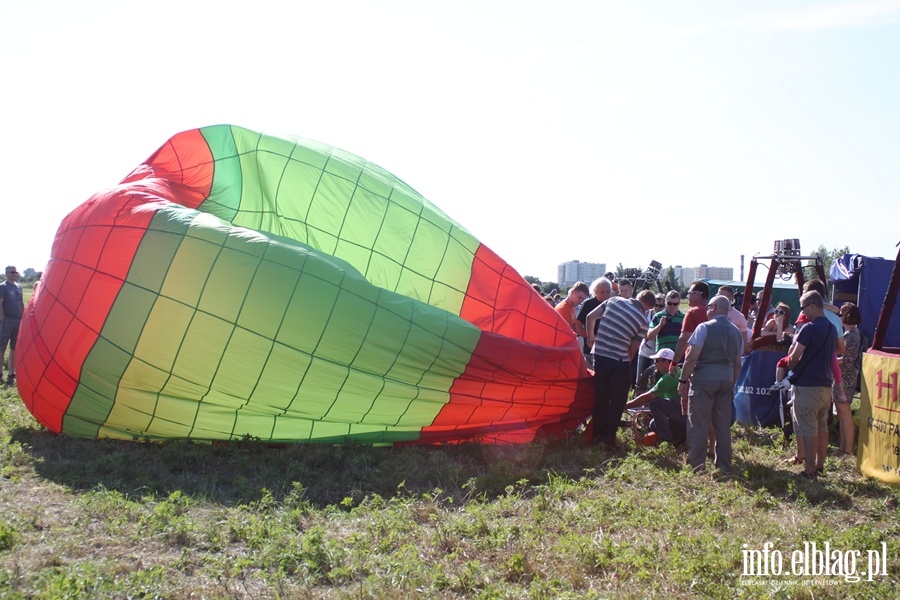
(242, 286)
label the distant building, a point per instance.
(575, 270)
(688, 274)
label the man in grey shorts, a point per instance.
(810, 361)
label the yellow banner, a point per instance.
(879, 417)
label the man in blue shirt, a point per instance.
(810, 360)
(12, 306)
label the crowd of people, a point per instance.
(683, 366)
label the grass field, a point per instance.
(103, 519)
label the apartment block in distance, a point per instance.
(688, 274)
(575, 271)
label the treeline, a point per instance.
(29, 275)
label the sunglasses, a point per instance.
(673, 303)
(779, 312)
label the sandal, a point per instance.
(795, 460)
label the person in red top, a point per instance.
(567, 308)
(698, 296)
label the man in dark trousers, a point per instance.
(601, 290)
(623, 326)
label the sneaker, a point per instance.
(784, 384)
(11, 380)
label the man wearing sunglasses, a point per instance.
(12, 306)
(810, 359)
(665, 327)
(697, 296)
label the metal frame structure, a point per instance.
(785, 260)
(645, 279)
(887, 309)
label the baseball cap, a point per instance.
(665, 354)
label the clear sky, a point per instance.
(686, 132)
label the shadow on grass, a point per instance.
(838, 487)
(239, 472)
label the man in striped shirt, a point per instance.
(623, 326)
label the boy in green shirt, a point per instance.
(664, 399)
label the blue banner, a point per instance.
(753, 402)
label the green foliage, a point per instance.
(29, 276)
(556, 519)
(546, 286)
(828, 257)
(674, 282)
(8, 536)
(170, 520)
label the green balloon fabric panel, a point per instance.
(244, 286)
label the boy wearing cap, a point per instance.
(664, 400)
(12, 306)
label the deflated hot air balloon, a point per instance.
(242, 286)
